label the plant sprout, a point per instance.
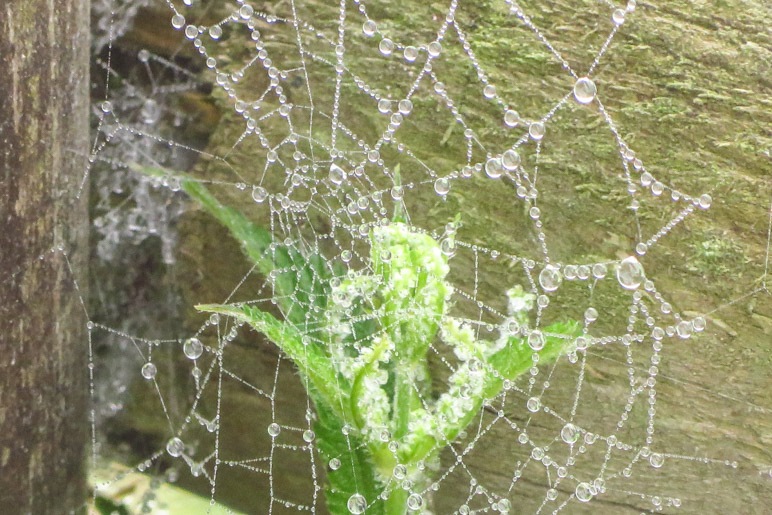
(360, 340)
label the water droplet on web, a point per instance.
(536, 131)
(618, 16)
(533, 404)
(346, 256)
(705, 201)
(415, 502)
(308, 436)
(149, 371)
(178, 21)
(656, 460)
(489, 91)
(405, 106)
(583, 492)
(584, 90)
(550, 278)
(591, 314)
(569, 434)
(434, 48)
(536, 340)
(175, 447)
(442, 186)
(337, 175)
(698, 324)
(259, 194)
(356, 504)
(448, 247)
(193, 348)
(510, 160)
(215, 32)
(334, 464)
(684, 329)
(599, 271)
(511, 118)
(143, 55)
(493, 168)
(410, 53)
(386, 46)
(369, 27)
(274, 429)
(630, 273)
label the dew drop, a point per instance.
(175, 447)
(434, 48)
(510, 160)
(369, 27)
(656, 460)
(536, 340)
(178, 21)
(442, 186)
(334, 464)
(684, 329)
(569, 434)
(493, 168)
(308, 436)
(149, 371)
(583, 492)
(193, 348)
(584, 90)
(405, 106)
(274, 429)
(630, 273)
(386, 46)
(705, 201)
(415, 502)
(410, 53)
(511, 118)
(618, 16)
(259, 194)
(337, 175)
(356, 504)
(533, 404)
(550, 278)
(536, 131)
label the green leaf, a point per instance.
(324, 384)
(356, 473)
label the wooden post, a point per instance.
(44, 74)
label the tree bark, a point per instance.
(44, 49)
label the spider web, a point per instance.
(337, 117)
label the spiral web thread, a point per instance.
(321, 187)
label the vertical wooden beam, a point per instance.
(44, 76)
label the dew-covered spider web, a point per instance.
(511, 135)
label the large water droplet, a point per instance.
(550, 278)
(656, 460)
(415, 502)
(630, 273)
(337, 175)
(569, 434)
(510, 160)
(259, 194)
(274, 429)
(536, 131)
(536, 340)
(584, 90)
(193, 348)
(149, 370)
(584, 492)
(493, 168)
(175, 447)
(442, 186)
(356, 504)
